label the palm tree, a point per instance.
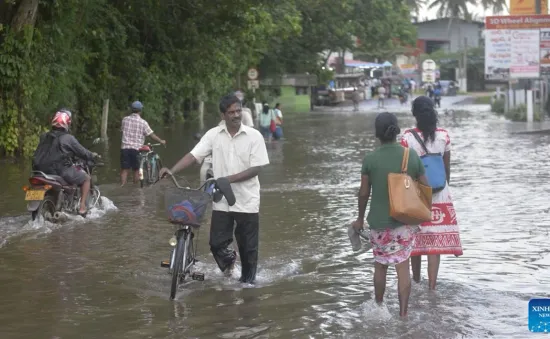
(498, 6)
(459, 8)
(415, 5)
(452, 8)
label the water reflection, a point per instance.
(102, 278)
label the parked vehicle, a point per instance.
(49, 196)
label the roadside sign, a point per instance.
(252, 74)
(428, 76)
(428, 65)
(253, 84)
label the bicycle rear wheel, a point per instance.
(146, 170)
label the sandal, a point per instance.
(83, 215)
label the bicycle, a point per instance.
(149, 164)
(186, 209)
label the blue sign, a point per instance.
(539, 315)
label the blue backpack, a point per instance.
(434, 166)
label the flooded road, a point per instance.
(101, 278)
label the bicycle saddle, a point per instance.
(224, 189)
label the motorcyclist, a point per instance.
(403, 94)
(55, 152)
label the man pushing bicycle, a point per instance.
(238, 154)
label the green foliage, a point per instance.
(484, 100)
(382, 27)
(519, 113)
(498, 106)
(169, 55)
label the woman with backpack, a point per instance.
(441, 235)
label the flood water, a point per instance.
(101, 278)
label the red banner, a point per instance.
(517, 22)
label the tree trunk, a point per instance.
(25, 15)
(201, 109)
(105, 120)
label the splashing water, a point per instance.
(18, 226)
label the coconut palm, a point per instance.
(459, 8)
(498, 6)
(452, 8)
(415, 5)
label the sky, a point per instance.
(430, 14)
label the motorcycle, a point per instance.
(49, 196)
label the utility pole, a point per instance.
(465, 66)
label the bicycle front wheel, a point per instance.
(177, 269)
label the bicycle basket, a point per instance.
(186, 206)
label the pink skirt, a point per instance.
(392, 246)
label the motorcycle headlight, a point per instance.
(173, 241)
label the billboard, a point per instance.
(525, 53)
(523, 7)
(517, 46)
(545, 51)
(517, 22)
(497, 54)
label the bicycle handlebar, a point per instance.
(173, 177)
(222, 186)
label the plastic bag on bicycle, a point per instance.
(185, 212)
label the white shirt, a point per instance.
(232, 155)
(278, 113)
(134, 130)
(246, 117)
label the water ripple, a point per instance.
(102, 277)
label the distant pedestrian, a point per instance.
(355, 97)
(266, 117)
(381, 96)
(278, 113)
(134, 130)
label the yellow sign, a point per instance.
(521, 7)
(35, 195)
(518, 7)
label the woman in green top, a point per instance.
(392, 241)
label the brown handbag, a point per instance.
(410, 201)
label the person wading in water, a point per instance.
(441, 235)
(392, 240)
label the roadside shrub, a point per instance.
(519, 113)
(498, 106)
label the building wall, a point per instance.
(439, 31)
